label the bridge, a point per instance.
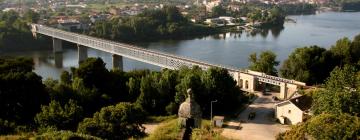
(247, 80)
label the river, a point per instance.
(231, 49)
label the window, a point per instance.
(241, 83)
(289, 111)
(246, 84)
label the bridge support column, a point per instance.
(283, 91)
(82, 53)
(57, 45)
(58, 60)
(117, 62)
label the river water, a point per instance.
(231, 49)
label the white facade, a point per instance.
(294, 110)
(289, 114)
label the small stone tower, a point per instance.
(190, 112)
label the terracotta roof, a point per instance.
(302, 102)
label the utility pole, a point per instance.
(211, 111)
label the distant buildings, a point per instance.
(209, 4)
(100, 17)
(71, 25)
(221, 21)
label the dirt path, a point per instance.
(262, 127)
(150, 127)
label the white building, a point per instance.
(221, 21)
(69, 24)
(294, 110)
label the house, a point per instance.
(100, 17)
(70, 25)
(221, 21)
(294, 110)
(211, 4)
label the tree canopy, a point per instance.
(266, 62)
(115, 122)
(311, 65)
(314, 64)
(150, 25)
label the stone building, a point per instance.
(294, 110)
(190, 112)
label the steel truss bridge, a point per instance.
(246, 79)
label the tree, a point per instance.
(311, 65)
(93, 73)
(325, 126)
(218, 11)
(61, 117)
(121, 121)
(134, 88)
(149, 96)
(340, 95)
(265, 63)
(189, 78)
(342, 51)
(331, 126)
(21, 92)
(31, 16)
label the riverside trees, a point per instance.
(335, 108)
(150, 25)
(314, 64)
(97, 94)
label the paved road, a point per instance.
(262, 127)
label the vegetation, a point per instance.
(325, 126)
(207, 132)
(308, 64)
(167, 130)
(115, 122)
(265, 63)
(269, 17)
(336, 106)
(58, 117)
(348, 5)
(295, 9)
(21, 91)
(14, 29)
(150, 25)
(64, 135)
(56, 107)
(314, 64)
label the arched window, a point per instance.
(241, 83)
(246, 84)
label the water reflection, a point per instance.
(275, 32)
(58, 60)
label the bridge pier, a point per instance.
(57, 45)
(58, 59)
(117, 62)
(247, 82)
(82, 53)
(283, 91)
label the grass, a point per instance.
(158, 119)
(64, 135)
(54, 135)
(207, 132)
(170, 129)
